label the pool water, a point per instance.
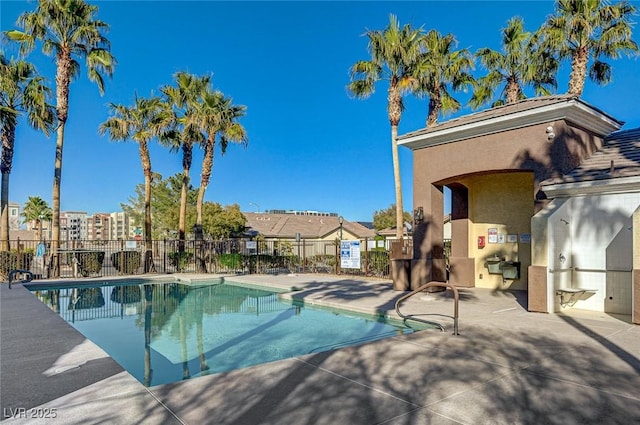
(163, 333)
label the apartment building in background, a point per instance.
(14, 216)
(73, 225)
(99, 227)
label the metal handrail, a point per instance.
(27, 273)
(456, 298)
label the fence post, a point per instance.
(366, 256)
(164, 256)
(19, 257)
(122, 266)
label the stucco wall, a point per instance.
(523, 149)
(635, 315)
(503, 202)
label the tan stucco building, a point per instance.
(494, 162)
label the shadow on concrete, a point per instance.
(484, 377)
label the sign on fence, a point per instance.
(252, 247)
(350, 254)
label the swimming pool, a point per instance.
(166, 332)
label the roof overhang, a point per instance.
(592, 187)
(571, 110)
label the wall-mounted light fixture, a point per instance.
(418, 215)
(550, 133)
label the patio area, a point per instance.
(507, 366)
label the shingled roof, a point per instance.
(618, 157)
(523, 113)
(272, 225)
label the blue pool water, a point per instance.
(163, 333)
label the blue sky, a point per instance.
(310, 145)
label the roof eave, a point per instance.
(589, 187)
(571, 110)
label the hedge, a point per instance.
(126, 262)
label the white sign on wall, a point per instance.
(350, 254)
(493, 235)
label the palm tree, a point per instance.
(394, 54)
(22, 91)
(184, 97)
(440, 67)
(36, 210)
(145, 120)
(522, 63)
(68, 31)
(585, 29)
(217, 117)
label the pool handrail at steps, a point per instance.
(27, 273)
(422, 288)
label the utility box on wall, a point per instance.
(402, 250)
(510, 269)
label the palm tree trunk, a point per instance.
(8, 139)
(394, 105)
(435, 104)
(55, 198)
(63, 78)
(207, 165)
(187, 157)
(4, 229)
(578, 71)
(512, 90)
(149, 265)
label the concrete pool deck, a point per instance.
(507, 366)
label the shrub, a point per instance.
(229, 261)
(261, 263)
(126, 262)
(379, 262)
(89, 262)
(180, 259)
(321, 263)
(12, 260)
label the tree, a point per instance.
(22, 91)
(439, 68)
(584, 29)
(145, 120)
(522, 63)
(217, 117)
(184, 98)
(68, 31)
(223, 222)
(36, 210)
(394, 54)
(384, 219)
(219, 222)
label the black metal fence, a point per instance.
(84, 258)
